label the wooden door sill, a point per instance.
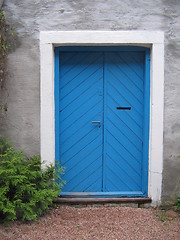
(86, 201)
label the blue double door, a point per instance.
(101, 128)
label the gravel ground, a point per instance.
(66, 222)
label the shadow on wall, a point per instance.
(1, 3)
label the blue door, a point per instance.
(102, 115)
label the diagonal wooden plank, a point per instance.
(79, 91)
(129, 80)
(86, 178)
(138, 59)
(69, 67)
(93, 187)
(76, 147)
(129, 118)
(125, 71)
(77, 132)
(123, 150)
(81, 141)
(91, 152)
(76, 171)
(74, 120)
(119, 183)
(76, 80)
(132, 144)
(112, 186)
(122, 175)
(132, 167)
(121, 100)
(125, 91)
(130, 66)
(66, 58)
(125, 143)
(125, 128)
(73, 108)
(72, 141)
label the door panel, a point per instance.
(81, 82)
(123, 128)
(106, 158)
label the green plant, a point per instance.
(3, 47)
(178, 202)
(3, 145)
(162, 216)
(26, 191)
(8, 40)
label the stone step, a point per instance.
(124, 202)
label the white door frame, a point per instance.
(152, 39)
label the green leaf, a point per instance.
(25, 190)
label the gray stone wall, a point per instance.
(21, 123)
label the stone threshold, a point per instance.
(75, 201)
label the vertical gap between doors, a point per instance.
(103, 155)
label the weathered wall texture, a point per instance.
(28, 18)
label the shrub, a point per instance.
(26, 191)
(178, 202)
(3, 145)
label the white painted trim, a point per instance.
(152, 39)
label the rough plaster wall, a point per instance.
(171, 173)
(21, 124)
